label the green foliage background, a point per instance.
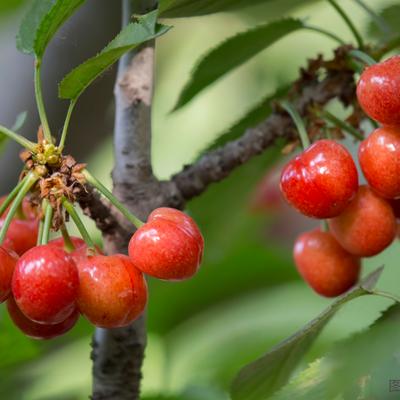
(247, 296)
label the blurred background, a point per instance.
(247, 296)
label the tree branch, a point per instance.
(118, 353)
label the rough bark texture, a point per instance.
(118, 354)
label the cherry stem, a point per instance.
(386, 294)
(325, 33)
(364, 57)
(18, 138)
(40, 102)
(324, 226)
(341, 124)
(48, 218)
(106, 193)
(66, 124)
(10, 197)
(79, 224)
(349, 23)
(305, 141)
(28, 182)
(68, 243)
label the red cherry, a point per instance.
(367, 225)
(45, 284)
(22, 233)
(35, 330)
(321, 181)
(324, 265)
(169, 246)
(112, 292)
(79, 244)
(378, 91)
(29, 211)
(379, 157)
(8, 260)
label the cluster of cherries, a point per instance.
(48, 286)
(322, 182)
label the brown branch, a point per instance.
(218, 164)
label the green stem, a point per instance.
(386, 294)
(349, 23)
(66, 124)
(341, 124)
(68, 243)
(48, 217)
(28, 182)
(305, 141)
(10, 197)
(106, 193)
(79, 224)
(364, 57)
(326, 33)
(18, 138)
(40, 103)
(324, 226)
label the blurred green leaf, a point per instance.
(41, 22)
(349, 368)
(60, 11)
(134, 34)
(20, 121)
(269, 373)
(233, 52)
(391, 15)
(251, 119)
(10, 5)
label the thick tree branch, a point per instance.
(218, 164)
(118, 353)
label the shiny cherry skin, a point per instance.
(112, 292)
(39, 331)
(8, 260)
(367, 226)
(378, 91)
(379, 157)
(324, 264)
(169, 246)
(45, 284)
(321, 181)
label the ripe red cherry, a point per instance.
(45, 284)
(8, 260)
(169, 246)
(379, 157)
(324, 265)
(378, 91)
(367, 225)
(22, 233)
(39, 331)
(112, 292)
(321, 181)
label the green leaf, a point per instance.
(233, 52)
(134, 34)
(41, 22)
(60, 11)
(20, 121)
(253, 117)
(269, 373)
(391, 16)
(30, 24)
(190, 8)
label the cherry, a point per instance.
(321, 181)
(8, 260)
(379, 157)
(35, 330)
(378, 91)
(112, 292)
(324, 265)
(367, 225)
(22, 233)
(45, 284)
(169, 246)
